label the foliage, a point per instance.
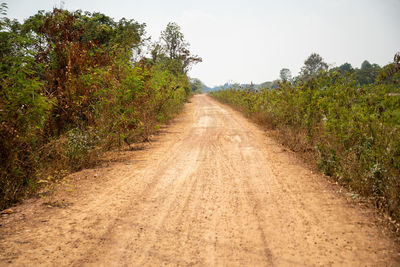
(391, 73)
(285, 74)
(367, 74)
(197, 85)
(176, 47)
(313, 64)
(353, 130)
(173, 39)
(70, 90)
(344, 68)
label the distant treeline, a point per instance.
(76, 84)
(366, 74)
(347, 120)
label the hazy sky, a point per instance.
(250, 41)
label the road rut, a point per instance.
(212, 190)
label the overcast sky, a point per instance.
(250, 41)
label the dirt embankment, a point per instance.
(211, 190)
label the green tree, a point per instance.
(177, 48)
(173, 40)
(197, 85)
(157, 52)
(285, 74)
(342, 69)
(366, 65)
(368, 73)
(70, 89)
(3, 12)
(313, 64)
(391, 72)
(346, 67)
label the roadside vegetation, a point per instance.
(347, 120)
(77, 84)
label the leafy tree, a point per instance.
(343, 69)
(177, 48)
(313, 64)
(368, 73)
(285, 74)
(365, 65)
(23, 109)
(69, 45)
(70, 89)
(3, 12)
(197, 85)
(391, 72)
(173, 40)
(346, 67)
(157, 51)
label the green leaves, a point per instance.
(354, 131)
(70, 89)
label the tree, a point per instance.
(368, 73)
(3, 12)
(313, 64)
(197, 85)
(187, 59)
(176, 47)
(391, 72)
(285, 74)
(157, 51)
(342, 69)
(173, 39)
(366, 65)
(346, 67)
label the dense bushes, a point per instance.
(70, 90)
(353, 131)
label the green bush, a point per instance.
(70, 90)
(353, 130)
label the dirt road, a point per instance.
(211, 190)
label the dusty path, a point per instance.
(213, 190)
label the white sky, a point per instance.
(251, 40)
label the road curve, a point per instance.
(212, 190)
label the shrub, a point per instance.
(353, 130)
(70, 90)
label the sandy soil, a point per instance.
(212, 189)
